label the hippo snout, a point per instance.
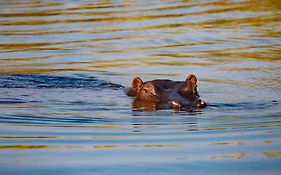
(200, 103)
(177, 105)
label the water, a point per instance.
(63, 66)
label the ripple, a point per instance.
(61, 62)
(45, 81)
(8, 101)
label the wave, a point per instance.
(47, 81)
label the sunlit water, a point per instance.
(63, 66)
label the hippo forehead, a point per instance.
(170, 90)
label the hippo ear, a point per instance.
(192, 83)
(191, 79)
(136, 84)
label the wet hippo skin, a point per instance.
(165, 94)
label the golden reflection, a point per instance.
(177, 63)
(238, 55)
(112, 16)
(70, 147)
(35, 46)
(91, 9)
(272, 141)
(237, 155)
(23, 147)
(26, 147)
(108, 146)
(231, 156)
(272, 154)
(146, 61)
(238, 143)
(265, 15)
(36, 33)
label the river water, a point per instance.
(63, 66)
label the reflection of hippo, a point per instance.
(155, 94)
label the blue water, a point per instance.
(64, 65)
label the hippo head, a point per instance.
(155, 94)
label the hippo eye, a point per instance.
(145, 90)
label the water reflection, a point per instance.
(272, 154)
(144, 106)
(75, 118)
(231, 156)
(238, 143)
(239, 30)
(32, 147)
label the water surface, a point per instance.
(63, 66)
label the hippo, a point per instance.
(166, 94)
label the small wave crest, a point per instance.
(245, 105)
(47, 81)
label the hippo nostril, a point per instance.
(201, 103)
(175, 104)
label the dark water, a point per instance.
(63, 66)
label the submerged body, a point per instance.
(165, 94)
